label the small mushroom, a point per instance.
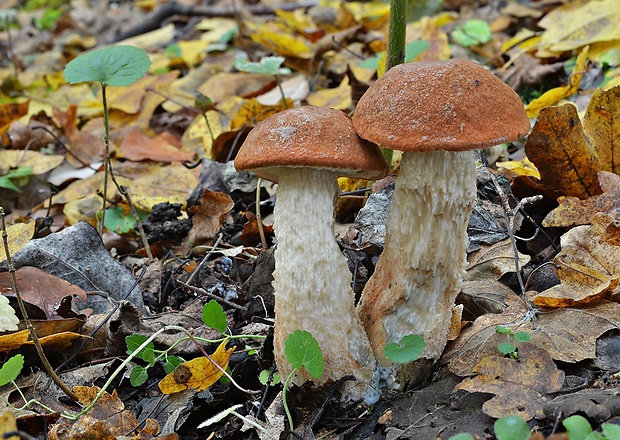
(305, 149)
(435, 112)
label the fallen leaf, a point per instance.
(199, 373)
(579, 23)
(17, 236)
(573, 211)
(39, 162)
(552, 96)
(565, 159)
(493, 261)
(136, 147)
(207, 217)
(521, 386)
(11, 112)
(602, 126)
(587, 266)
(337, 97)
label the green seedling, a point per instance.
(506, 428)
(114, 66)
(578, 428)
(266, 66)
(301, 351)
(407, 350)
(213, 316)
(264, 376)
(9, 371)
(508, 348)
(471, 33)
(204, 103)
(16, 178)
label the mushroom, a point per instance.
(305, 149)
(436, 113)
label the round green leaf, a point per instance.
(11, 369)
(521, 336)
(302, 350)
(506, 348)
(473, 32)
(611, 431)
(408, 349)
(110, 66)
(511, 428)
(267, 66)
(462, 436)
(577, 427)
(213, 316)
(138, 376)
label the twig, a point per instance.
(210, 295)
(22, 308)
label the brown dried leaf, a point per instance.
(520, 385)
(208, 216)
(574, 211)
(569, 335)
(588, 267)
(136, 146)
(493, 261)
(602, 125)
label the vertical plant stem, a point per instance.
(278, 82)
(29, 326)
(397, 29)
(259, 217)
(209, 127)
(106, 159)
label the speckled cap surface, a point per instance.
(309, 136)
(451, 105)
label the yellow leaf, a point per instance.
(252, 110)
(520, 167)
(338, 97)
(282, 43)
(39, 162)
(602, 126)
(216, 28)
(369, 10)
(84, 209)
(197, 138)
(579, 23)
(552, 96)
(199, 373)
(297, 20)
(13, 341)
(193, 52)
(18, 235)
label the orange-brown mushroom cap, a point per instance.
(452, 105)
(309, 136)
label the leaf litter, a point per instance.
(156, 128)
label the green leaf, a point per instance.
(21, 174)
(263, 378)
(412, 50)
(172, 362)
(594, 435)
(302, 350)
(462, 436)
(611, 431)
(521, 337)
(134, 341)
(138, 376)
(267, 66)
(213, 316)
(408, 349)
(511, 428)
(577, 427)
(506, 348)
(473, 32)
(111, 66)
(502, 330)
(121, 222)
(11, 369)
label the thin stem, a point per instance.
(259, 218)
(281, 91)
(29, 326)
(106, 160)
(204, 115)
(286, 410)
(397, 30)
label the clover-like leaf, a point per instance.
(302, 350)
(408, 349)
(213, 316)
(511, 428)
(11, 369)
(267, 66)
(138, 376)
(134, 341)
(111, 66)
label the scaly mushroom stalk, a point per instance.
(312, 281)
(419, 273)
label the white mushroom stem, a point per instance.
(420, 271)
(312, 281)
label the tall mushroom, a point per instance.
(435, 112)
(305, 149)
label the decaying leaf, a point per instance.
(39, 162)
(17, 235)
(588, 267)
(493, 261)
(520, 385)
(569, 335)
(573, 211)
(199, 373)
(207, 217)
(602, 126)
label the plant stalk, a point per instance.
(106, 161)
(397, 30)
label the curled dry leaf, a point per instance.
(520, 385)
(199, 373)
(207, 217)
(493, 261)
(588, 267)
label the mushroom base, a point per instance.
(420, 271)
(312, 282)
